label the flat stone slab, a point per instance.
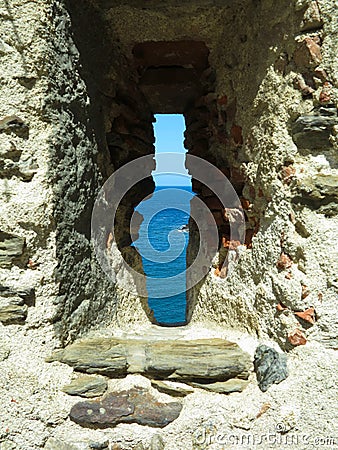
(136, 405)
(313, 131)
(87, 386)
(11, 248)
(12, 310)
(199, 360)
(223, 387)
(14, 303)
(173, 390)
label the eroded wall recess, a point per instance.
(234, 80)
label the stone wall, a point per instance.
(278, 88)
(73, 112)
(27, 201)
(74, 108)
(56, 110)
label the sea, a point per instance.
(162, 243)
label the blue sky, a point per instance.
(169, 129)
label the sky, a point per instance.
(169, 129)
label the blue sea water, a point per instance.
(162, 244)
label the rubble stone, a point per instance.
(133, 406)
(270, 367)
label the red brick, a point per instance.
(297, 338)
(308, 315)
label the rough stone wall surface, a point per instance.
(288, 175)
(26, 195)
(54, 162)
(275, 93)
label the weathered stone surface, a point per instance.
(270, 367)
(58, 444)
(87, 386)
(106, 356)
(14, 124)
(156, 443)
(313, 132)
(26, 293)
(318, 192)
(12, 310)
(69, 110)
(133, 406)
(223, 387)
(200, 359)
(99, 445)
(13, 303)
(319, 186)
(174, 390)
(8, 445)
(308, 54)
(11, 248)
(288, 291)
(207, 359)
(24, 169)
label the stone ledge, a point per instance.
(202, 360)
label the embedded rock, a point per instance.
(133, 406)
(11, 249)
(309, 315)
(320, 186)
(14, 124)
(99, 445)
(297, 338)
(308, 54)
(12, 310)
(87, 386)
(214, 359)
(319, 192)
(13, 303)
(202, 359)
(313, 132)
(58, 444)
(270, 367)
(26, 293)
(223, 387)
(171, 389)
(105, 356)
